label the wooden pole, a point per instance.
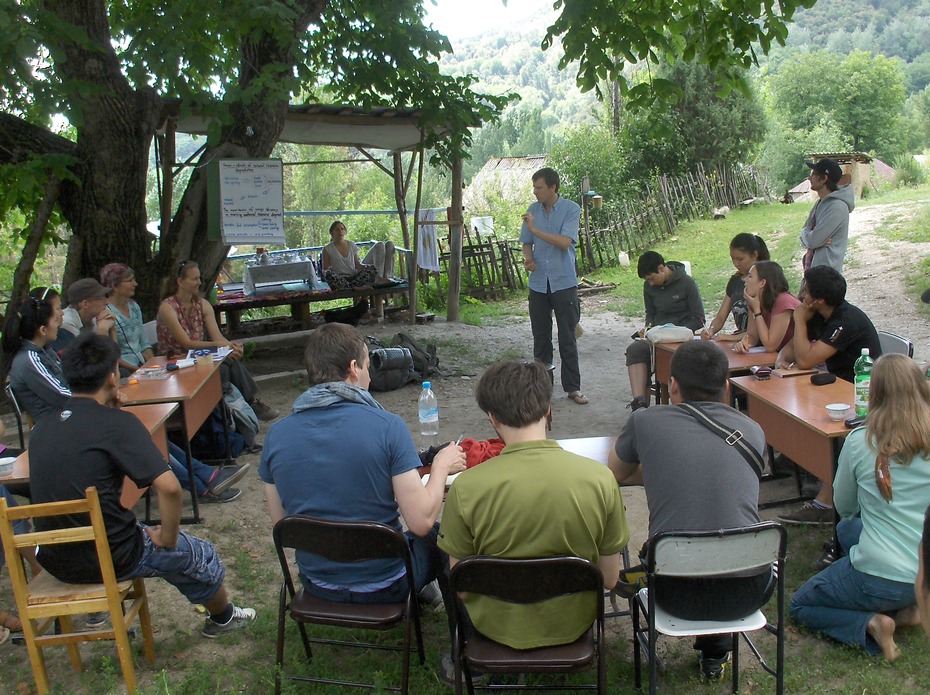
(399, 198)
(456, 232)
(415, 271)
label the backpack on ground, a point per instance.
(389, 368)
(209, 444)
(425, 359)
(244, 419)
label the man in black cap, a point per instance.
(827, 228)
(87, 312)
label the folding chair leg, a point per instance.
(735, 654)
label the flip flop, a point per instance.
(578, 397)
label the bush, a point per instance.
(910, 172)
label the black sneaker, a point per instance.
(637, 403)
(227, 495)
(828, 557)
(225, 478)
(808, 515)
(714, 670)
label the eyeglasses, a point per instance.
(45, 293)
(181, 267)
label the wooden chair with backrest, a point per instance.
(345, 542)
(895, 344)
(24, 422)
(527, 581)
(695, 554)
(44, 600)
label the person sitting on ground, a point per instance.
(40, 388)
(695, 481)
(491, 510)
(342, 268)
(186, 322)
(135, 350)
(881, 488)
(106, 445)
(86, 312)
(670, 296)
(745, 250)
(316, 462)
(827, 329)
(771, 306)
(922, 582)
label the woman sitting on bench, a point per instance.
(342, 269)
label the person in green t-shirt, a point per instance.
(533, 500)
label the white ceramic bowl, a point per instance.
(6, 466)
(839, 411)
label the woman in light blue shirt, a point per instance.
(881, 490)
(135, 350)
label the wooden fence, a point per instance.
(491, 266)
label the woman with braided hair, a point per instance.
(881, 490)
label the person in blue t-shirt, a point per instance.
(549, 235)
(340, 455)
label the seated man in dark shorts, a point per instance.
(94, 443)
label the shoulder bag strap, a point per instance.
(733, 438)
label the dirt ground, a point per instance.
(876, 284)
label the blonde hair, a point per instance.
(898, 425)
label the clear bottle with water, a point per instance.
(863, 380)
(429, 416)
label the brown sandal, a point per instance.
(578, 397)
(11, 622)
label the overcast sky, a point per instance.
(459, 20)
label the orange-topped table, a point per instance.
(739, 362)
(792, 413)
(196, 389)
(154, 417)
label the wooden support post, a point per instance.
(456, 232)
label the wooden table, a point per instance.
(153, 417)
(792, 413)
(196, 390)
(739, 363)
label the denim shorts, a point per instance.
(192, 566)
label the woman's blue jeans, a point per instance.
(840, 601)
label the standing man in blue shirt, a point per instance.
(549, 235)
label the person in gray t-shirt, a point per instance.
(694, 481)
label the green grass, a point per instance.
(706, 244)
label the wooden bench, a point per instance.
(233, 303)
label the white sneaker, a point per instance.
(241, 618)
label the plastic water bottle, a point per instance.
(429, 416)
(863, 371)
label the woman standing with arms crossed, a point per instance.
(186, 322)
(881, 490)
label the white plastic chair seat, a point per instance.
(671, 625)
(150, 332)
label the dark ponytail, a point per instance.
(32, 314)
(751, 243)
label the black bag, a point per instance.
(390, 368)
(209, 443)
(425, 360)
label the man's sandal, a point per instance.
(578, 397)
